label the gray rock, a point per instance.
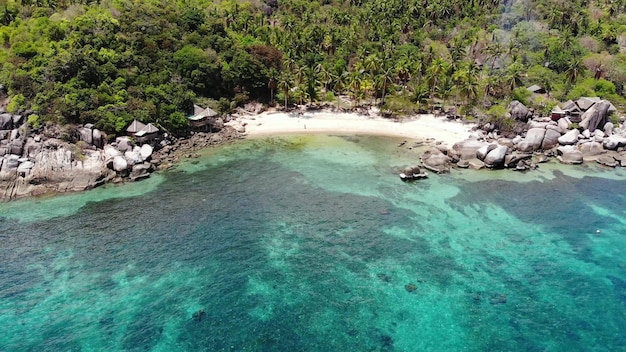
(110, 152)
(476, 164)
(25, 167)
(482, 152)
(133, 157)
(519, 111)
(596, 116)
(86, 135)
(467, 148)
(570, 138)
(570, 155)
(537, 124)
(124, 144)
(140, 171)
(608, 128)
(17, 120)
(511, 160)
(434, 160)
(463, 163)
(555, 128)
(119, 164)
(12, 162)
(146, 151)
(591, 148)
(614, 141)
(6, 122)
(16, 147)
(97, 138)
(550, 139)
(495, 158)
(534, 137)
(564, 124)
(607, 160)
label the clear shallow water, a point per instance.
(313, 244)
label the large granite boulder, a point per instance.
(6, 122)
(614, 141)
(120, 164)
(569, 155)
(534, 138)
(519, 111)
(591, 148)
(111, 152)
(467, 148)
(550, 139)
(596, 116)
(25, 167)
(607, 160)
(146, 151)
(98, 138)
(124, 144)
(86, 135)
(570, 138)
(482, 152)
(140, 171)
(564, 123)
(133, 157)
(436, 161)
(495, 158)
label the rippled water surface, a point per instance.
(314, 244)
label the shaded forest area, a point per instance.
(110, 61)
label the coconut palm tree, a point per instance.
(284, 84)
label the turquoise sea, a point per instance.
(312, 243)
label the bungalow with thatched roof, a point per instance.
(201, 117)
(134, 127)
(146, 134)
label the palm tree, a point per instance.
(383, 81)
(438, 68)
(575, 69)
(340, 82)
(272, 82)
(514, 75)
(284, 84)
(324, 75)
(354, 81)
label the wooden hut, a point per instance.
(201, 117)
(134, 127)
(147, 134)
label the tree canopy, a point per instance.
(108, 62)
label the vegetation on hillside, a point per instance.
(110, 61)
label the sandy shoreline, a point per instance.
(415, 127)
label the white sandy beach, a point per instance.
(416, 127)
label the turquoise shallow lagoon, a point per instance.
(312, 243)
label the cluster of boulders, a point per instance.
(127, 159)
(33, 163)
(594, 138)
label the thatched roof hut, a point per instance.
(135, 127)
(201, 117)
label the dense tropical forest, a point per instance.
(109, 61)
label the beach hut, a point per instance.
(148, 133)
(134, 127)
(201, 117)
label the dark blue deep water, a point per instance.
(314, 244)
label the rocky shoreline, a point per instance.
(594, 138)
(44, 161)
(35, 163)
